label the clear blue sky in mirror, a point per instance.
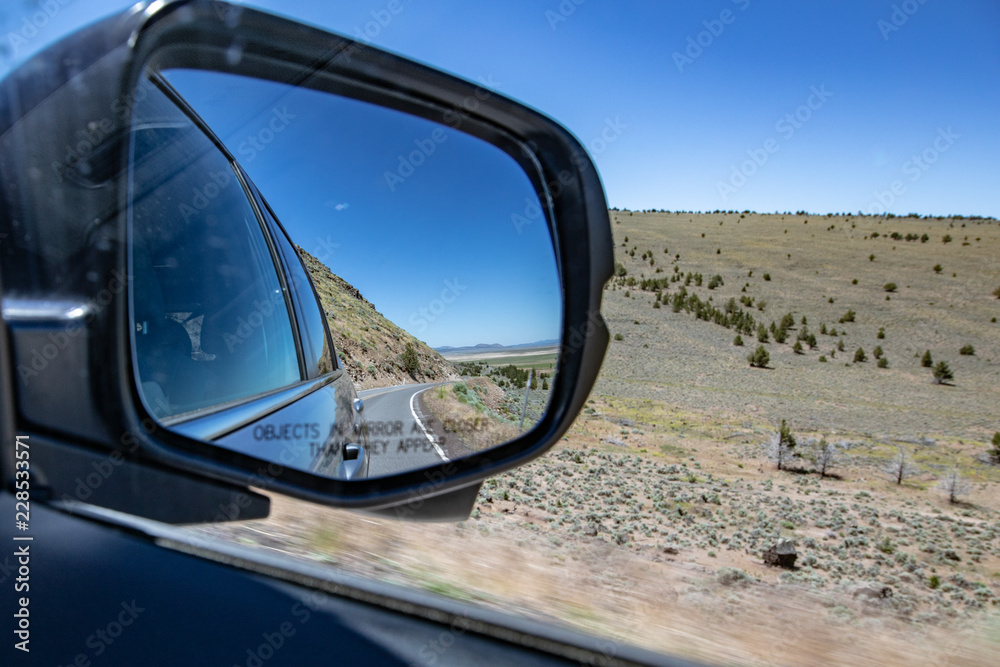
(426, 221)
(899, 72)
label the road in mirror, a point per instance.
(439, 303)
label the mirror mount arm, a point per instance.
(73, 474)
(447, 507)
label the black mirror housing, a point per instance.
(64, 117)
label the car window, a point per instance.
(316, 344)
(210, 322)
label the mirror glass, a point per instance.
(330, 284)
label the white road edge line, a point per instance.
(437, 448)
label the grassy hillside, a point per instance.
(817, 267)
(370, 346)
(649, 520)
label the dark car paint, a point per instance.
(195, 602)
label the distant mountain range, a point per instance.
(495, 347)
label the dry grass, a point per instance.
(633, 527)
(690, 363)
(473, 422)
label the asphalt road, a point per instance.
(400, 437)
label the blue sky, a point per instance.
(825, 106)
(897, 81)
(434, 249)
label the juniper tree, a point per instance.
(900, 467)
(825, 457)
(953, 485)
(759, 358)
(782, 446)
(927, 361)
(942, 373)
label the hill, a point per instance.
(369, 345)
(817, 268)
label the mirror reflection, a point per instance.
(333, 285)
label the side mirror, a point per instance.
(374, 281)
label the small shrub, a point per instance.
(967, 351)
(938, 268)
(934, 581)
(797, 348)
(859, 356)
(759, 358)
(738, 341)
(877, 352)
(730, 576)
(849, 316)
(883, 362)
(618, 336)
(995, 452)
(822, 358)
(840, 346)
(881, 333)
(411, 362)
(871, 258)
(890, 287)
(946, 238)
(715, 281)
(767, 276)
